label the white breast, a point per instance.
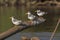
(16, 22)
(31, 17)
(40, 13)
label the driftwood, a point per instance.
(24, 25)
(52, 36)
(8, 32)
(15, 29)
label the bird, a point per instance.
(30, 16)
(15, 21)
(40, 13)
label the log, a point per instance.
(52, 36)
(14, 30)
(18, 28)
(9, 32)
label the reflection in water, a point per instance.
(6, 12)
(41, 35)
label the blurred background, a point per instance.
(18, 8)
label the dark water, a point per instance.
(19, 13)
(41, 35)
(6, 13)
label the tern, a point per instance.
(30, 16)
(40, 13)
(16, 21)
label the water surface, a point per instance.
(19, 13)
(41, 35)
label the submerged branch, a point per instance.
(51, 38)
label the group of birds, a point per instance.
(34, 18)
(31, 17)
(38, 12)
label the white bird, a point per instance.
(15, 21)
(31, 16)
(40, 13)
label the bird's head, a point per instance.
(28, 13)
(37, 11)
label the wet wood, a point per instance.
(51, 38)
(8, 32)
(15, 29)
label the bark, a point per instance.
(9, 32)
(14, 30)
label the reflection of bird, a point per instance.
(15, 21)
(40, 13)
(31, 16)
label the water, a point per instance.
(6, 13)
(41, 35)
(20, 13)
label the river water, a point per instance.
(44, 29)
(19, 13)
(41, 35)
